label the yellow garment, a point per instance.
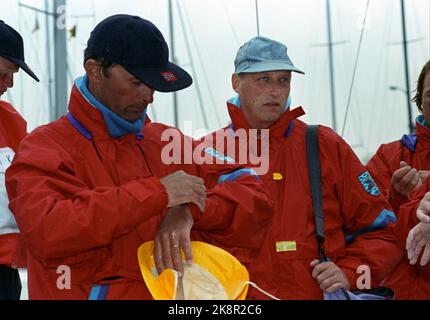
(215, 274)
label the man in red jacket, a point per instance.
(357, 219)
(12, 129)
(88, 189)
(401, 167)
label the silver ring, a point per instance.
(173, 235)
(175, 246)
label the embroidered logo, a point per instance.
(368, 184)
(169, 76)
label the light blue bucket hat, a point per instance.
(262, 54)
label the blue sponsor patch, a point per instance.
(368, 184)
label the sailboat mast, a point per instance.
(173, 59)
(405, 57)
(60, 59)
(48, 58)
(331, 65)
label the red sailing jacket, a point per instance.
(351, 210)
(13, 129)
(407, 281)
(87, 201)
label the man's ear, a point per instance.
(93, 70)
(235, 82)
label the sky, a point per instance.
(208, 34)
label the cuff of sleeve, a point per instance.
(396, 199)
(153, 188)
(350, 275)
(195, 211)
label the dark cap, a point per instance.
(12, 48)
(139, 47)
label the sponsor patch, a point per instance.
(277, 176)
(368, 184)
(285, 246)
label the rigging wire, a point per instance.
(230, 23)
(355, 69)
(187, 44)
(42, 71)
(382, 72)
(199, 56)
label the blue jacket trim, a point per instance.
(409, 141)
(289, 130)
(99, 292)
(78, 126)
(232, 176)
(383, 219)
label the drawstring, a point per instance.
(262, 291)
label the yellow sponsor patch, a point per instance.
(283, 246)
(277, 176)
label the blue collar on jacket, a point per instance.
(410, 140)
(116, 125)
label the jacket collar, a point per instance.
(422, 131)
(421, 134)
(87, 119)
(281, 128)
(116, 125)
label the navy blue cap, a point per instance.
(12, 48)
(139, 47)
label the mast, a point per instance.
(60, 56)
(257, 16)
(331, 66)
(405, 59)
(173, 59)
(60, 59)
(48, 57)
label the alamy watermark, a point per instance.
(248, 147)
(64, 279)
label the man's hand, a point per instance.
(419, 236)
(329, 276)
(173, 235)
(419, 239)
(184, 188)
(405, 179)
(423, 175)
(423, 210)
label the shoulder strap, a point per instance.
(314, 171)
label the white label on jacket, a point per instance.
(7, 220)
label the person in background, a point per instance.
(401, 168)
(13, 128)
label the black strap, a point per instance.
(314, 171)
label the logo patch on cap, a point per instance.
(368, 184)
(169, 76)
